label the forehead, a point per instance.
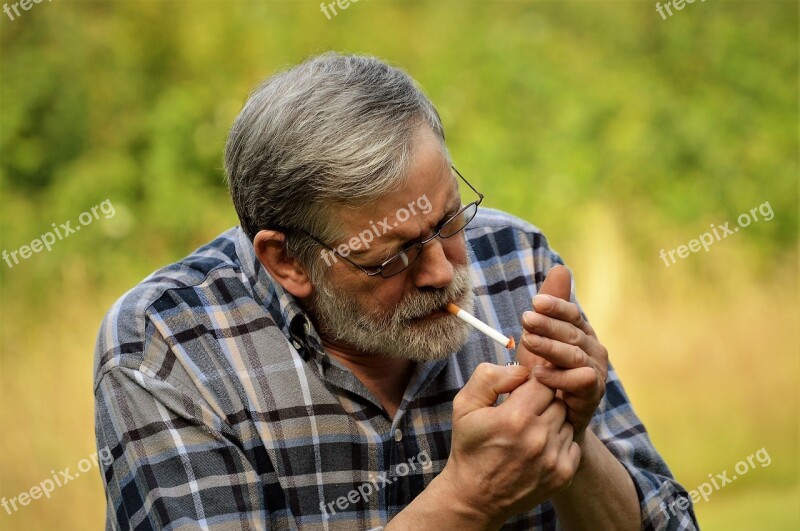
(430, 181)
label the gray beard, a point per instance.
(398, 334)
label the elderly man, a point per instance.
(300, 372)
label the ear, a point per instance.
(270, 248)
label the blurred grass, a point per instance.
(619, 134)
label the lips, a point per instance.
(440, 311)
(435, 314)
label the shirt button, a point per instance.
(398, 435)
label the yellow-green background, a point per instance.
(616, 132)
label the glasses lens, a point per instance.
(401, 261)
(457, 223)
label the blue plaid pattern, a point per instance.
(222, 410)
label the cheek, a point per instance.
(383, 296)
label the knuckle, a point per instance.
(575, 336)
(578, 356)
(564, 472)
(483, 370)
(536, 443)
(483, 374)
(517, 420)
(549, 462)
(575, 316)
(459, 399)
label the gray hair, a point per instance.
(334, 131)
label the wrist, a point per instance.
(450, 498)
(588, 443)
(442, 506)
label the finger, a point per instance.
(568, 312)
(527, 358)
(580, 382)
(486, 384)
(558, 283)
(559, 309)
(532, 396)
(555, 415)
(556, 352)
(565, 435)
(563, 331)
(574, 454)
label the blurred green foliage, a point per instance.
(550, 108)
(683, 122)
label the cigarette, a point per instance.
(507, 342)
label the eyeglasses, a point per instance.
(399, 262)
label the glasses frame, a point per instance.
(379, 269)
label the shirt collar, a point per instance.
(282, 306)
(297, 327)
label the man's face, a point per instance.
(400, 316)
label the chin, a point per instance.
(431, 340)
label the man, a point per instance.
(299, 372)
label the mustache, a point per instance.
(424, 303)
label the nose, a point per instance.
(433, 269)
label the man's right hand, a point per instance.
(505, 460)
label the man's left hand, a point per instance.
(578, 363)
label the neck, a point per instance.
(384, 376)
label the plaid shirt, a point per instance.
(223, 411)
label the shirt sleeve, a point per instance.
(665, 504)
(173, 462)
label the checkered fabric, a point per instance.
(223, 411)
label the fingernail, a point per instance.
(527, 318)
(540, 370)
(531, 340)
(542, 301)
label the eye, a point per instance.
(447, 217)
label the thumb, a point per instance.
(486, 384)
(558, 283)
